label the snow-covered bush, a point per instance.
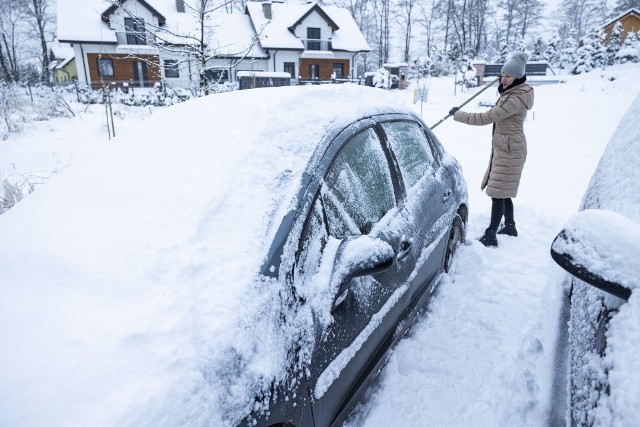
(381, 78)
(630, 49)
(11, 106)
(15, 186)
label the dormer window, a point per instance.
(135, 31)
(313, 38)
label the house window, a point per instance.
(338, 70)
(171, 68)
(135, 31)
(313, 38)
(216, 75)
(105, 67)
(314, 71)
(290, 67)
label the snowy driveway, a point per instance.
(483, 355)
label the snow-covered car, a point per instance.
(243, 258)
(600, 246)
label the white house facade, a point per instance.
(143, 43)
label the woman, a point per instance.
(509, 145)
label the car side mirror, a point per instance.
(601, 248)
(359, 256)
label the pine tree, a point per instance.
(585, 61)
(568, 54)
(630, 50)
(552, 53)
(538, 50)
(614, 44)
(503, 54)
(600, 57)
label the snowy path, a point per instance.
(473, 358)
(484, 353)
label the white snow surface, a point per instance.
(141, 342)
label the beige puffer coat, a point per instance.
(509, 147)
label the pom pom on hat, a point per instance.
(515, 66)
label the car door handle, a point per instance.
(447, 194)
(404, 249)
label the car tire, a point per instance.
(456, 236)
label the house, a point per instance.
(312, 43)
(142, 43)
(62, 64)
(630, 21)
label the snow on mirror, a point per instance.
(602, 248)
(359, 256)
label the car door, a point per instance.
(357, 197)
(427, 196)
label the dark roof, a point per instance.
(119, 3)
(321, 12)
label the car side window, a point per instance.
(411, 148)
(357, 190)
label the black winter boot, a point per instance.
(489, 238)
(509, 229)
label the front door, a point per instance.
(356, 197)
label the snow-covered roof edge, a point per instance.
(622, 15)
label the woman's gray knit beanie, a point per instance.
(515, 66)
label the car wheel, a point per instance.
(455, 238)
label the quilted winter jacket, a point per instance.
(509, 145)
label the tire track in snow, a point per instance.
(482, 353)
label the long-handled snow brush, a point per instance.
(467, 101)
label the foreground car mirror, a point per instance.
(602, 248)
(359, 256)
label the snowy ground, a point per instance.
(484, 352)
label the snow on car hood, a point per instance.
(129, 284)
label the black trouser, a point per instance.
(500, 207)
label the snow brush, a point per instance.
(467, 101)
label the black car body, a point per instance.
(420, 218)
(597, 246)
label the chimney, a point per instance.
(266, 9)
(180, 6)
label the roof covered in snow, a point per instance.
(231, 34)
(277, 32)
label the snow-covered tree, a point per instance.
(615, 42)
(539, 47)
(553, 51)
(502, 54)
(585, 61)
(600, 56)
(630, 49)
(568, 54)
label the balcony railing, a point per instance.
(137, 38)
(315, 44)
